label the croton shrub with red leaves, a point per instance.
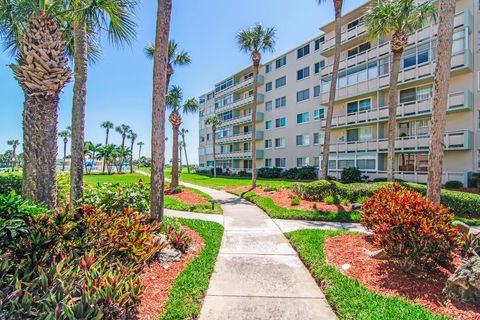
(411, 229)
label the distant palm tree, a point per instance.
(177, 106)
(440, 98)
(255, 41)
(160, 87)
(14, 144)
(214, 121)
(123, 130)
(180, 147)
(107, 125)
(132, 136)
(183, 132)
(140, 144)
(397, 18)
(65, 134)
(89, 20)
(42, 72)
(109, 152)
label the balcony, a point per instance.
(239, 154)
(240, 137)
(240, 103)
(235, 121)
(456, 140)
(240, 85)
(457, 101)
(346, 36)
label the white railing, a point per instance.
(235, 104)
(236, 120)
(234, 137)
(411, 176)
(236, 86)
(240, 154)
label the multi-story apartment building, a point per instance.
(293, 95)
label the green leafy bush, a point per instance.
(344, 202)
(176, 190)
(269, 173)
(362, 199)
(350, 175)
(331, 199)
(315, 191)
(178, 237)
(306, 173)
(295, 201)
(453, 184)
(410, 228)
(9, 183)
(290, 173)
(353, 191)
(116, 197)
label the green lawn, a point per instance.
(128, 178)
(188, 290)
(349, 298)
(175, 204)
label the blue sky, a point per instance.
(120, 84)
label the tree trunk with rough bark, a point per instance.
(440, 99)
(64, 153)
(214, 138)
(185, 150)
(122, 156)
(174, 181)
(256, 63)
(333, 89)
(80, 57)
(158, 108)
(131, 156)
(104, 158)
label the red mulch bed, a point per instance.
(186, 196)
(385, 277)
(157, 280)
(283, 198)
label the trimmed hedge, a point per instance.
(269, 173)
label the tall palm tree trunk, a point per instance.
(185, 151)
(214, 138)
(139, 151)
(333, 89)
(158, 108)
(256, 64)
(174, 180)
(64, 154)
(180, 158)
(14, 151)
(131, 157)
(104, 157)
(80, 57)
(440, 98)
(122, 156)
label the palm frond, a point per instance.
(190, 106)
(256, 39)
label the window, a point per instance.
(303, 95)
(318, 42)
(268, 86)
(224, 101)
(202, 139)
(268, 105)
(303, 73)
(319, 65)
(280, 162)
(268, 143)
(268, 163)
(458, 44)
(280, 143)
(359, 134)
(210, 96)
(359, 106)
(316, 162)
(302, 140)
(247, 129)
(268, 68)
(303, 117)
(346, 164)
(353, 24)
(201, 101)
(318, 138)
(366, 164)
(416, 94)
(280, 82)
(280, 102)
(247, 146)
(208, 136)
(303, 51)
(316, 91)
(210, 163)
(280, 62)
(268, 124)
(417, 55)
(280, 122)
(224, 85)
(318, 114)
(361, 48)
(302, 162)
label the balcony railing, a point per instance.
(235, 121)
(240, 103)
(346, 36)
(236, 137)
(239, 154)
(456, 140)
(457, 101)
(240, 85)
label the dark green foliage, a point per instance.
(295, 201)
(116, 197)
(290, 173)
(317, 190)
(453, 184)
(176, 190)
(306, 173)
(350, 175)
(219, 171)
(269, 173)
(9, 183)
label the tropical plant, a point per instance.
(140, 144)
(110, 153)
(65, 134)
(180, 148)
(440, 98)
(14, 144)
(132, 136)
(337, 5)
(91, 152)
(177, 106)
(31, 31)
(160, 87)
(107, 125)
(255, 41)
(397, 18)
(215, 122)
(183, 132)
(123, 130)
(89, 18)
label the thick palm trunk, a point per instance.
(175, 179)
(214, 137)
(333, 89)
(185, 150)
(42, 72)
(392, 113)
(80, 57)
(104, 158)
(440, 98)
(254, 123)
(158, 108)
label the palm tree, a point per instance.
(177, 106)
(160, 65)
(132, 136)
(14, 143)
(65, 134)
(215, 122)
(337, 5)
(440, 98)
(255, 41)
(123, 130)
(397, 18)
(140, 144)
(175, 58)
(180, 147)
(31, 31)
(183, 132)
(107, 125)
(89, 19)
(109, 152)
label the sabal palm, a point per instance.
(65, 134)
(42, 72)
(123, 130)
(89, 19)
(396, 18)
(255, 41)
(177, 106)
(183, 132)
(337, 4)
(14, 144)
(107, 125)
(214, 121)
(132, 136)
(108, 152)
(140, 144)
